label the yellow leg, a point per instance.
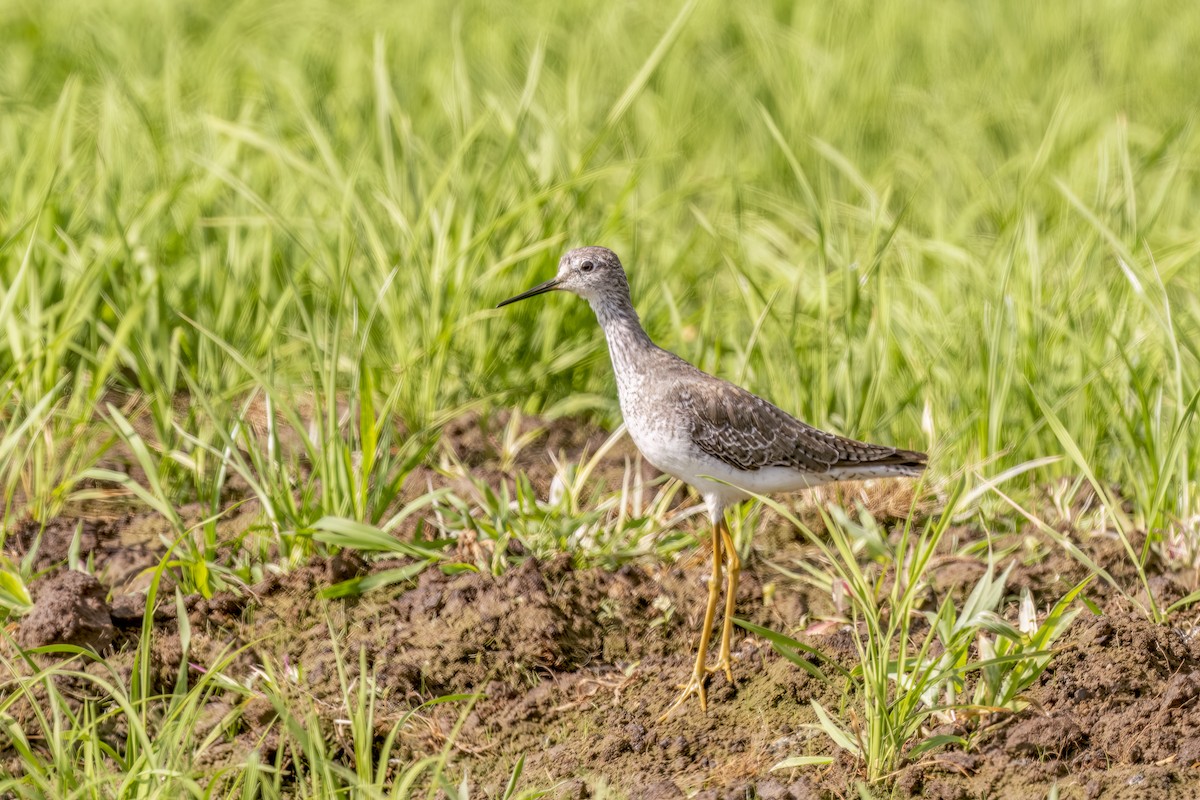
(695, 686)
(733, 569)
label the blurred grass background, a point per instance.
(969, 227)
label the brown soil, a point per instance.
(69, 608)
(576, 666)
(1116, 716)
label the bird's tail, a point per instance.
(913, 460)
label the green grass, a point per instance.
(822, 204)
(956, 226)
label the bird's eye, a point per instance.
(587, 266)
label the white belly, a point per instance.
(673, 453)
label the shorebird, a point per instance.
(722, 440)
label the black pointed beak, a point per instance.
(541, 288)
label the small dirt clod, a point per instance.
(69, 608)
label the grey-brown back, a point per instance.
(748, 433)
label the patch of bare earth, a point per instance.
(576, 666)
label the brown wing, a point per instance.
(746, 432)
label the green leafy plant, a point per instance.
(14, 594)
(1012, 659)
(909, 675)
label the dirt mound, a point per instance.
(456, 632)
(69, 608)
(449, 632)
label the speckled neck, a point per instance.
(627, 340)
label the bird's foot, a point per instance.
(695, 686)
(723, 665)
(724, 661)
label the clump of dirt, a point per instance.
(68, 608)
(1131, 687)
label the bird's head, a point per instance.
(593, 273)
